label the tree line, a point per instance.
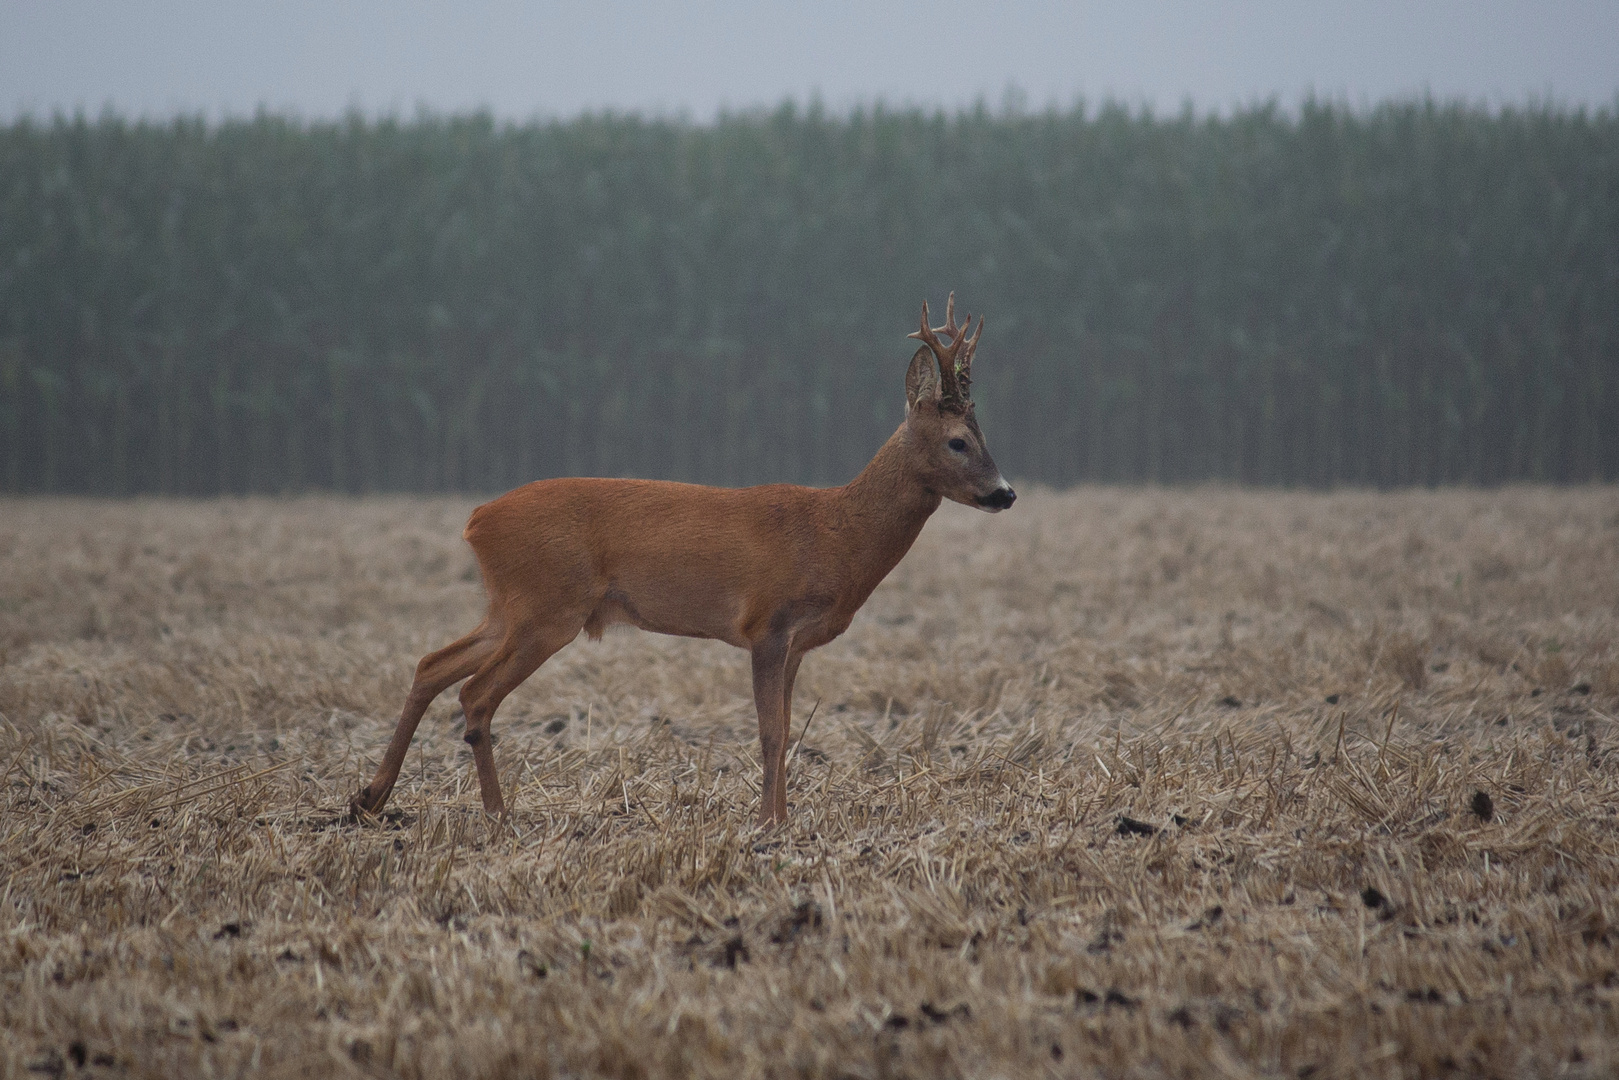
(1417, 293)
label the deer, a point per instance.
(777, 570)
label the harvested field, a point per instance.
(1164, 783)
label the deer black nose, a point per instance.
(999, 499)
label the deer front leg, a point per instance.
(769, 697)
(794, 658)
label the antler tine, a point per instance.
(944, 357)
(964, 370)
(950, 315)
(922, 334)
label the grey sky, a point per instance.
(317, 58)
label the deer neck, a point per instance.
(882, 511)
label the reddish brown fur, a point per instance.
(777, 570)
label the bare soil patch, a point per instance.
(1161, 783)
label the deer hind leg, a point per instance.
(517, 658)
(436, 673)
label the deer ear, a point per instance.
(922, 380)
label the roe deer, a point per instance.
(777, 570)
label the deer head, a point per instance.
(947, 446)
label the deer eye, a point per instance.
(959, 445)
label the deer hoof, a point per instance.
(363, 804)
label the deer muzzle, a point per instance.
(999, 499)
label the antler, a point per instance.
(955, 360)
(964, 364)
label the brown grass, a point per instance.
(1303, 695)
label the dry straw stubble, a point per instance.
(1159, 783)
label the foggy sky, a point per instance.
(319, 58)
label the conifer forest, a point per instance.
(1419, 293)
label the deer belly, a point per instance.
(666, 613)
